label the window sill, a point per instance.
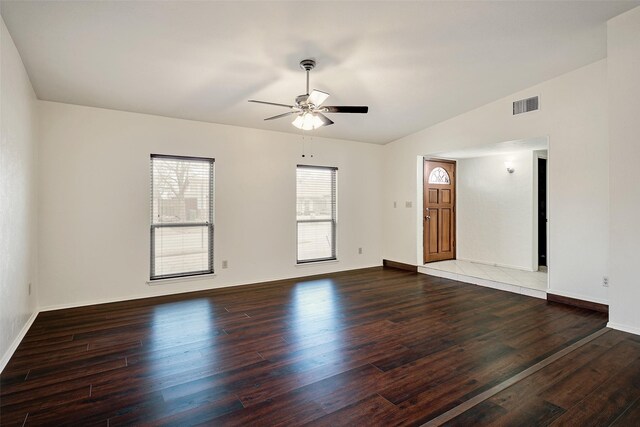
(312, 263)
(180, 279)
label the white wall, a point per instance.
(94, 216)
(624, 131)
(495, 210)
(18, 202)
(573, 115)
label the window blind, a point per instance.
(181, 216)
(316, 213)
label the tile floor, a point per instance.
(532, 283)
(536, 280)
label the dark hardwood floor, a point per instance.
(367, 347)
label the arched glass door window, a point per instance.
(439, 176)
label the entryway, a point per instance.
(485, 215)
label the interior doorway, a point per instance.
(439, 221)
(500, 214)
(542, 212)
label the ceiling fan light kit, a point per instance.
(307, 121)
(308, 107)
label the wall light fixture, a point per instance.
(509, 166)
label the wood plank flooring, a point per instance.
(366, 347)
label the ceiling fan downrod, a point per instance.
(307, 65)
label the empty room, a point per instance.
(331, 213)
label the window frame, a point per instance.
(209, 224)
(333, 220)
(447, 181)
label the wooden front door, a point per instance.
(439, 216)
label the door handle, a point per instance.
(427, 217)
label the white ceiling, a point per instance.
(501, 148)
(413, 63)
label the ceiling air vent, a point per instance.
(525, 105)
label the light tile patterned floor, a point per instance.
(526, 279)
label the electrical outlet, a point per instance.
(605, 281)
(395, 204)
(225, 264)
(29, 288)
(408, 204)
(360, 251)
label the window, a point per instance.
(316, 213)
(181, 216)
(439, 176)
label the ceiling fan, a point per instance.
(308, 108)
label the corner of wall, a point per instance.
(19, 149)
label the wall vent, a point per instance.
(525, 105)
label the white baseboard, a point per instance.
(624, 328)
(161, 293)
(104, 301)
(130, 298)
(16, 342)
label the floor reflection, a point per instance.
(316, 314)
(178, 332)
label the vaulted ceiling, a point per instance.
(413, 63)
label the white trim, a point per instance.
(127, 298)
(577, 296)
(624, 328)
(156, 282)
(420, 209)
(541, 154)
(16, 342)
(186, 291)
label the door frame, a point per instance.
(539, 154)
(455, 202)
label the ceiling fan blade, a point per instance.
(317, 97)
(326, 121)
(288, 113)
(345, 109)
(271, 103)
